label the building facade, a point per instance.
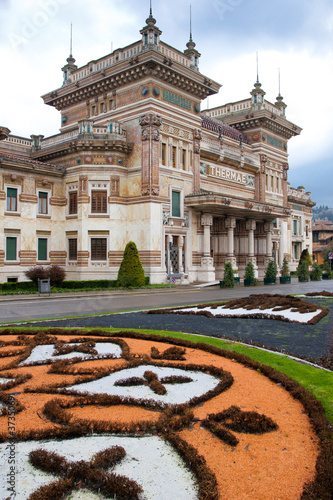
(136, 159)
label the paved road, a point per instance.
(28, 308)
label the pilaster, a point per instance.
(150, 136)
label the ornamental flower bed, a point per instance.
(191, 421)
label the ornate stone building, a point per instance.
(136, 159)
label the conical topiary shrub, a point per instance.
(249, 276)
(131, 273)
(228, 280)
(270, 273)
(285, 274)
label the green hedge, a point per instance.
(22, 286)
(29, 286)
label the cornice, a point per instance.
(264, 119)
(149, 63)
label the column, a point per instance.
(180, 250)
(197, 136)
(268, 228)
(230, 224)
(251, 227)
(207, 270)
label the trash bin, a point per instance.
(44, 286)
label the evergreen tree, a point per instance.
(131, 273)
(271, 270)
(285, 268)
(303, 271)
(249, 273)
(228, 279)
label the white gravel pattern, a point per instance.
(176, 393)
(149, 461)
(44, 352)
(224, 311)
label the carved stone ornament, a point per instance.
(207, 220)
(250, 225)
(227, 201)
(268, 227)
(166, 215)
(145, 134)
(230, 222)
(285, 170)
(249, 205)
(263, 161)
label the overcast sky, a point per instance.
(293, 35)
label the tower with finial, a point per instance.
(191, 51)
(257, 93)
(279, 101)
(151, 33)
(70, 66)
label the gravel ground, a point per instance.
(309, 341)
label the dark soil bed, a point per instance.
(312, 342)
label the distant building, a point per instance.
(136, 159)
(322, 239)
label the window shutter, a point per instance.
(175, 204)
(11, 248)
(42, 249)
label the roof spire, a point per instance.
(71, 48)
(70, 66)
(279, 100)
(70, 60)
(151, 21)
(190, 44)
(257, 85)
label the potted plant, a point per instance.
(327, 273)
(249, 277)
(285, 274)
(228, 279)
(303, 271)
(270, 273)
(316, 273)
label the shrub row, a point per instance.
(29, 286)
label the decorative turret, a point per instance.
(191, 51)
(257, 93)
(70, 66)
(279, 101)
(151, 33)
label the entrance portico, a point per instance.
(230, 233)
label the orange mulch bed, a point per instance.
(277, 463)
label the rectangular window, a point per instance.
(11, 200)
(175, 204)
(307, 231)
(102, 107)
(72, 249)
(42, 202)
(11, 248)
(295, 227)
(99, 202)
(174, 153)
(42, 249)
(98, 248)
(73, 203)
(295, 252)
(93, 110)
(163, 154)
(110, 104)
